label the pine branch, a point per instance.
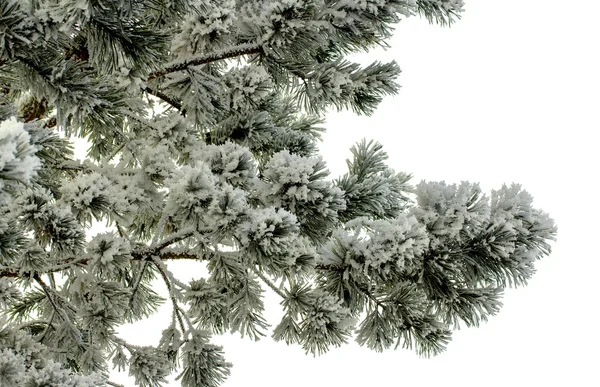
(139, 120)
(364, 290)
(242, 49)
(115, 152)
(167, 278)
(174, 238)
(137, 255)
(47, 328)
(34, 322)
(173, 255)
(330, 268)
(159, 229)
(130, 347)
(171, 101)
(269, 283)
(69, 166)
(47, 290)
(138, 281)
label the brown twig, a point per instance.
(171, 101)
(242, 49)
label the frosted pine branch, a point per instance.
(173, 67)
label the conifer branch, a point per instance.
(330, 268)
(242, 49)
(167, 280)
(364, 290)
(173, 255)
(50, 295)
(171, 101)
(68, 166)
(136, 255)
(47, 327)
(34, 322)
(138, 281)
(130, 347)
(174, 238)
(139, 120)
(269, 283)
(269, 203)
(159, 229)
(115, 152)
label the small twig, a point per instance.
(137, 255)
(171, 101)
(69, 165)
(165, 276)
(370, 296)
(140, 120)
(32, 322)
(47, 290)
(121, 232)
(330, 267)
(242, 49)
(174, 238)
(51, 280)
(159, 229)
(115, 152)
(269, 283)
(47, 327)
(138, 281)
(120, 341)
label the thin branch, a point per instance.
(165, 276)
(121, 232)
(242, 49)
(140, 254)
(174, 238)
(51, 280)
(136, 255)
(115, 152)
(137, 119)
(269, 283)
(163, 267)
(10, 273)
(138, 281)
(330, 268)
(171, 101)
(68, 166)
(47, 290)
(33, 322)
(47, 327)
(364, 290)
(171, 255)
(159, 229)
(130, 347)
(114, 384)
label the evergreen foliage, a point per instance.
(203, 118)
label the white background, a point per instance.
(508, 94)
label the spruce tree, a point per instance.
(203, 119)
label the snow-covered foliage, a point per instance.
(18, 163)
(24, 362)
(203, 119)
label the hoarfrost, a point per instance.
(17, 156)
